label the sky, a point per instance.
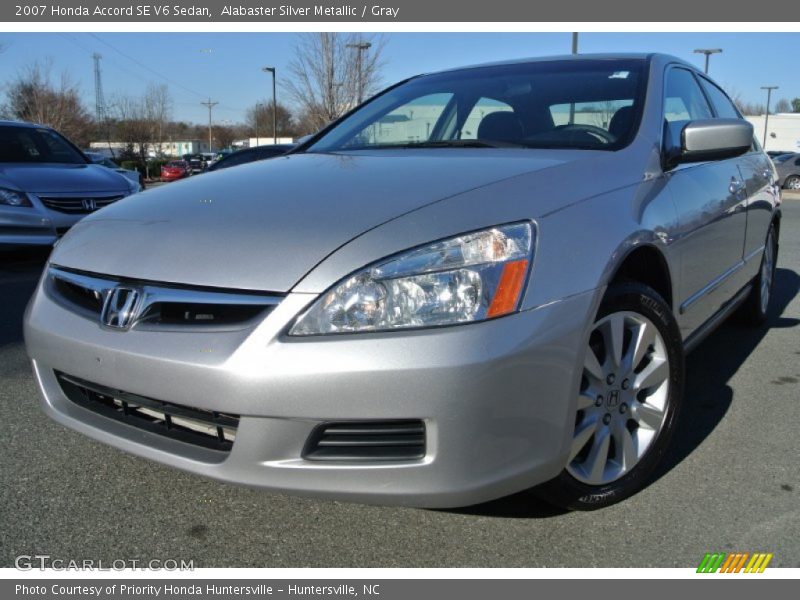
(227, 66)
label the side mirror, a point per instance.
(714, 139)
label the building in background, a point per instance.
(783, 131)
(171, 149)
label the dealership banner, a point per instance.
(465, 11)
(391, 589)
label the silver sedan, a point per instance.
(481, 281)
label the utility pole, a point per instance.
(274, 105)
(360, 47)
(708, 52)
(769, 89)
(256, 116)
(209, 104)
(575, 43)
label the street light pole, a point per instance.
(708, 52)
(769, 89)
(274, 105)
(360, 47)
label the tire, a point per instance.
(612, 465)
(755, 309)
(792, 183)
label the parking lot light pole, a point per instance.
(274, 105)
(769, 89)
(708, 52)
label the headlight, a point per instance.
(468, 278)
(13, 198)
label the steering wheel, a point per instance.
(597, 132)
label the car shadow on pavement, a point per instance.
(19, 273)
(713, 363)
(707, 397)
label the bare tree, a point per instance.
(259, 120)
(329, 71)
(34, 96)
(783, 106)
(224, 135)
(746, 107)
(133, 127)
(157, 104)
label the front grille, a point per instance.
(85, 297)
(367, 440)
(160, 306)
(78, 205)
(209, 429)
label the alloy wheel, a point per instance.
(622, 403)
(793, 183)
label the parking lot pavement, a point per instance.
(730, 483)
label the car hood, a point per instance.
(264, 225)
(55, 178)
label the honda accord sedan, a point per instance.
(480, 281)
(47, 185)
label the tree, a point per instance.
(157, 104)
(259, 120)
(745, 107)
(223, 135)
(328, 73)
(796, 105)
(133, 128)
(783, 106)
(35, 97)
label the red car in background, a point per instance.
(177, 169)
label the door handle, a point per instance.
(736, 186)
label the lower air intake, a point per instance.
(367, 440)
(209, 429)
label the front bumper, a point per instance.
(497, 398)
(25, 226)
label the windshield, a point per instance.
(36, 145)
(579, 104)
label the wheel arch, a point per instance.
(645, 263)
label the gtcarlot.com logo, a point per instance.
(27, 562)
(735, 562)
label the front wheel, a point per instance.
(792, 183)
(626, 410)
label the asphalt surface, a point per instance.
(730, 483)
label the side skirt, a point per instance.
(716, 320)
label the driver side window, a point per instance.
(684, 101)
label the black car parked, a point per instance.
(247, 155)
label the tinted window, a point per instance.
(683, 102)
(483, 107)
(723, 106)
(548, 104)
(29, 144)
(237, 158)
(683, 99)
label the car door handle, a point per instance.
(736, 186)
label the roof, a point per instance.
(22, 124)
(665, 58)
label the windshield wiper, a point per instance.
(461, 144)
